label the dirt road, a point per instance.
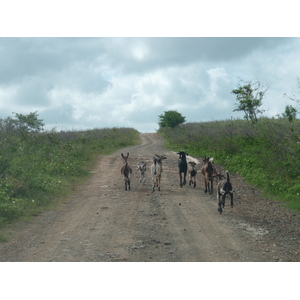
(103, 222)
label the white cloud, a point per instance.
(217, 78)
(140, 52)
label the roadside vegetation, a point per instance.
(266, 154)
(37, 166)
(265, 151)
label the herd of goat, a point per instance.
(209, 172)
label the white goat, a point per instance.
(156, 171)
(142, 170)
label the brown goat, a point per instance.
(192, 174)
(209, 172)
(126, 171)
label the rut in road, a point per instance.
(103, 222)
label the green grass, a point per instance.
(266, 155)
(36, 169)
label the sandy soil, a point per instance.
(101, 222)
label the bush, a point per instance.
(171, 118)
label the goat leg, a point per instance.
(180, 176)
(220, 206)
(184, 179)
(205, 184)
(154, 184)
(223, 200)
(210, 186)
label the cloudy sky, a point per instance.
(79, 83)
(142, 60)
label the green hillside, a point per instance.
(266, 154)
(37, 166)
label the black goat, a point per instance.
(224, 188)
(182, 166)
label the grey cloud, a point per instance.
(168, 52)
(27, 57)
(84, 78)
(62, 115)
(194, 49)
(21, 57)
(33, 92)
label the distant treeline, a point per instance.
(266, 154)
(36, 165)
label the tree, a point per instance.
(171, 118)
(249, 97)
(28, 123)
(294, 97)
(290, 113)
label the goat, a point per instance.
(142, 169)
(156, 170)
(182, 166)
(192, 174)
(209, 172)
(126, 171)
(224, 188)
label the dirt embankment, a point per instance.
(103, 222)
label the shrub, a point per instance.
(171, 118)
